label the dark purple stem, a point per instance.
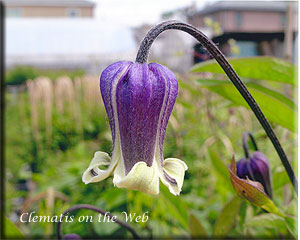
(246, 135)
(93, 208)
(142, 56)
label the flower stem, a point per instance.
(245, 143)
(142, 56)
(93, 208)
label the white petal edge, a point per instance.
(100, 159)
(141, 178)
(175, 168)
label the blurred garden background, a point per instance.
(55, 118)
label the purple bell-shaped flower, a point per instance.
(255, 166)
(138, 99)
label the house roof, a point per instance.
(266, 6)
(49, 3)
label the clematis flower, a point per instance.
(138, 99)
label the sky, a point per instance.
(135, 12)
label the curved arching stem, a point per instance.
(246, 135)
(142, 56)
(93, 208)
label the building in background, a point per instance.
(50, 38)
(49, 8)
(258, 27)
(63, 34)
(66, 43)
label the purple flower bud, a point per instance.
(138, 99)
(257, 169)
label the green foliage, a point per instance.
(227, 218)
(255, 70)
(11, 230)
(176, 207)
(271, 221)
(280, 179)
(292, 225)
(19, 74)
(271, 102)
(195, 227)
(261, 68)
(220, 168)
(204, 131)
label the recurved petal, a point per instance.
(93, 173)
(141, 178)
(173, 174)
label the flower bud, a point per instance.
(253, 191)
(255, 167)
(138, 99)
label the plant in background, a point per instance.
(20, 75)
(265, 77)
(64, 92)
(41, 92)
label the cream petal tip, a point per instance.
(141, 178)
(173, 174)
(93, 173)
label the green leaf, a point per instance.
(227, 218)
(280, 179)
(291, 224)
(114, 197)
(106, 228)
(274, 94)
(176, 207)
(276, 107)
(268, 220)
(264, 68)
(196, 229)
(188, 87)
(11, 230)
(220, 168)
(243, 213)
